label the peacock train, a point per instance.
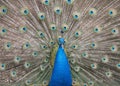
(59, 42)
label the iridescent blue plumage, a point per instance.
(61, 74)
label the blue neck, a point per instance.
(61, 74)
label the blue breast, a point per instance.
(61, 74)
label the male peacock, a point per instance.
(59, 42)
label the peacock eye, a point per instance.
(78, 34)
(64, 27)
(93, 45)
(24, 11)
(17, 59)
(46, 60)
(112, 12)
(94, 66)
(53, 27)
(45, 83)
(118, 65)
(91, 83)
(27, 64)
(115, 31)
(85, 54)
(114, 48)
(77, 68)
(41, 34)
(58, 10)
(23, 29)
(92, 11)
(72, 61)
(108, 74)
(74, 46)
(43, 46)
(97, 29)
(3, 31)
(41, 15)
(74, 82)
(2, 66)
(46, 2)
(27, 82)
(13, 73)
(3, 10)
(69, 1)
(35, 54)
(7, 45)
(42, 67)
(26, 45)
(76, 15)
(85, 84)
(105, 59)
(51, 42)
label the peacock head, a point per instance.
(61, 41)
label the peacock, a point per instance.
(59, 42)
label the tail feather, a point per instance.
(29, 33)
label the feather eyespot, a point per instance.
(97, 29)
(44, 47)
(26, 45)
(77, 68)
(85, 84)
(77, 34)
(23, 29)
(27, 82)
(76, 15)
(46, 2)
(8, 45)
(118, 65)
(13, 73)
(69, 1)
(65, 27)
(35, 54)
(27, 65)
(42, 67)
(108, 74)
(105, 59)
(114, 48)
(41, 15)
(91, 83)
(3, 31)
(45, 83)
(3, 10)
(58, 10)
(53, 27)
(72, 61)
(2, 66)
(92, 11)
(17, 59)
(115, 31)
(25, 11)
(94, 66)
(112, 12)
(94, 45)
(85, 54)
